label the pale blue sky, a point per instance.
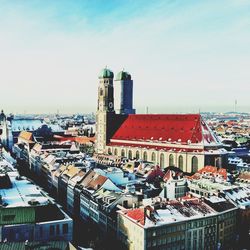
(183, 55)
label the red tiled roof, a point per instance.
(154, 173)
(93, 180)
(210, 169)
(168, 175)
(163, 128)
(137, 215)
(98, 182)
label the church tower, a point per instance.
(105, 108)
(124, 93)
(3, 129)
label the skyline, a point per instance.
(52, 52)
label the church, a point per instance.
(181, 140)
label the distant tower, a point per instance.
(3, 129)
(124, 93)
(105, 108)
(235, 106)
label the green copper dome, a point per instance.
(106, 73)
(122, 75)
(2, 116)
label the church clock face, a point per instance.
(111, 105)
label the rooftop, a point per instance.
(22, 192)
(49, 245)
(182, 129)
(168, 212)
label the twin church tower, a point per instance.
(115, 102)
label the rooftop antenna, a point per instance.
(235, 105)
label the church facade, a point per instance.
(182, 140)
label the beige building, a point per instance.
(184, 140)
(185, 224)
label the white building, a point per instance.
(27, 213)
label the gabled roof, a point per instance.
(137, 215)
(154, 173)
(184, 129)
(167, 176)
(60, 170)
(93, 180)
(27, 136)
(37, 147)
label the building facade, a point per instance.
(184, 141)
(185, 224)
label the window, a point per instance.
(115, 152)
(123, 153)
(51, 230)
(109, 151)
(137, 155)
(180, 163)
(162, 160)
(171, 160)
(57, 229)
(153, 157)
(130, 154)
(9, 217)
(145, 156)
(41, 232)
(65, 228)
(125, 204)
(194, 164)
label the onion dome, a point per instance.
(106, 73)
(2, 116)
(122, 75)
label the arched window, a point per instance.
(171, 160)
(137, 155)
(180, 162)
(153, 157)
(115, 152)
(123, 153)
(145, 156)
(194, 164)
(109, 151)
(162, 160)
(130, 155)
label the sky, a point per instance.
(184, 56)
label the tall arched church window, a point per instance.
(145, 156)
(180, 162)
(123, 153)
(162, 159)
(194, 164)
(130, 155)
(137, 155)
(171, 160)
(153, 157)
